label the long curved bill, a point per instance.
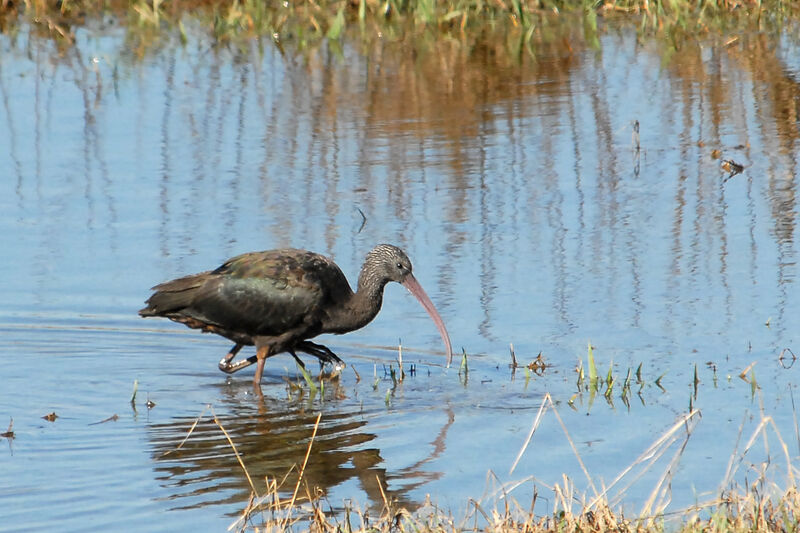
(416, 289)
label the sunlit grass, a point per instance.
(593, 384)
(305, 23)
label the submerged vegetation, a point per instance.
(306, 22)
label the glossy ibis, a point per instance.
(279, 299)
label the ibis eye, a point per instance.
(400, 266)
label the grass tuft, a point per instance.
(309, 23)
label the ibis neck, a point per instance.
(360, 308)
(368, 298)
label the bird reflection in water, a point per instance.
(272, 438)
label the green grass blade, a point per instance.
(337, 26)
(308, 379)
(592, 369)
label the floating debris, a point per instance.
(743, 373)
(9, 434)
(538, 366)
(732, 167)
(112, 418)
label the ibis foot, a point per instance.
(323, 353)
(225, 363)
(235, 367)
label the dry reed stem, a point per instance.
(572, 445)
(658, 499)
(531, 432)
(653, 453)
(794, 417)
(302, 471)
(730, 469)
(743, 373)
(191, 429)
(545, 401)
(766, 421)
(662, 484)
(235, 452)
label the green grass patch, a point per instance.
(305, 23)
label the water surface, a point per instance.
(514, 184)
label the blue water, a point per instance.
(516, 190)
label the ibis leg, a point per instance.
(261, 354)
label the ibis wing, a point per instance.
(173, 296)
(267, 293)
(254, 306)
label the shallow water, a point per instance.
(517, 190)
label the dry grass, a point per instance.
(737, 513)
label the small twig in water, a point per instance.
(112, 418)
(133, 396)
(743, 373)
(400, 359)
(363, 220)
